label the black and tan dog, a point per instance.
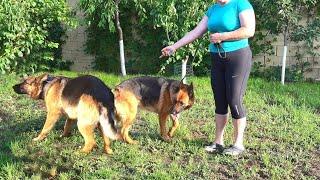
(163, 96)
(85, 100)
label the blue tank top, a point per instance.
(225, 18)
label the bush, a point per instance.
(273, 73)
(30, 34)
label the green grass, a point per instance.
(282, 139)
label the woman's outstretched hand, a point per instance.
(167, 51)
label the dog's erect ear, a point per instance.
(116, 92)
(43, 77)
(191, 86)
(24, 77)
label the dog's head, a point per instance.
(32, 86)
(183, 98)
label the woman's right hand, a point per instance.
(168, 51)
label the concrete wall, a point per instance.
(74, 48)
(276, 58)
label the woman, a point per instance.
(230, 23)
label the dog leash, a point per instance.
(220, 49)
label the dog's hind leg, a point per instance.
(88, 119)
(126, 125)
(126, 136)
(175, 125)
(106, 140)
(87, 131)
(67, 127)
(52, 118)
(163, 126)
(126, 107)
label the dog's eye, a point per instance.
(181, 103)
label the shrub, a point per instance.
(273, 73)
(30, 34)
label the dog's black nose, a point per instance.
(17, 89)
(14, 87)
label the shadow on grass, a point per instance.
(17, 146)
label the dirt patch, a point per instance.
(3, 116)
(315, 166)
(310, 167)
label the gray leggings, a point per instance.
(229, 78)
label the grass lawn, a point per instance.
(282, 139)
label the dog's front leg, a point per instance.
(175, 125)
(67, 127)
(163, 126)
(52, 118)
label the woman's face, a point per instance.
(223, 1)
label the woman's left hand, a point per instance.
(216, 38)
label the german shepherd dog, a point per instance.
(85, 100)
(165, 97)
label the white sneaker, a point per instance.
(234, 151)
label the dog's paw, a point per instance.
(167, 138)
(119, 137)
(108, 151)
(134, 142)
(85, 151)
(65, 135)
(39, 138)
(170, 134)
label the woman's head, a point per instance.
(222, 1)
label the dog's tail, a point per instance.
(107, 122)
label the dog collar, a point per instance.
(45, 86)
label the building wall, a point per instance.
(276, 58)
(74, 47)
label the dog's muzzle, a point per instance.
(175, 115)
(17, 88)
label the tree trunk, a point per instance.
(184, 69)
(121, 44)
(284, 57)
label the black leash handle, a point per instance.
(221, 50)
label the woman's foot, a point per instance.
(214, 148)
(234, 150)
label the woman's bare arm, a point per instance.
(191, 36)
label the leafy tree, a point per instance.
(107, 14)
(26, 40)
(177, 18)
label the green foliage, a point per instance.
(141, 43)
(30, 34)
(309, 34)
(157, 27)
(160, 23)
(282, 139)
(176, 19)
(273, 73)
(101, 12)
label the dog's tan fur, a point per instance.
(86, 113)
(127, 103)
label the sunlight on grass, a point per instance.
(282, 138)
